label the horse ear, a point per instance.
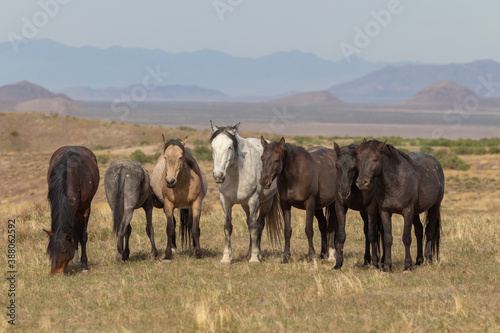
(381, 145)
(164, 139)
(184, 141)
(282, 142)
(364, 141)
(236, 127)
(213, 127)
(263, 141)
(50, 233)
(336, 147)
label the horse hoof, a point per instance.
(337, 267)
(386, 269)
(254, 261)
(166, 261)
(119, 258)
(85, 271)
(407, 270)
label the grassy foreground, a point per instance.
(460, 293)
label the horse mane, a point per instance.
(188, 155)
(389, 151)
(351, 150)
(60, 209)
(227, 131)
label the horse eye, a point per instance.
(229, 148)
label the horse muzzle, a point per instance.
(266, 184)
(171, 182)
(363, 185)
(344, 195)
(219, 179)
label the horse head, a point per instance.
(346, 169)
(174, 156)
(61, 250)
(369, 162)
(224, 148)
(272, 161)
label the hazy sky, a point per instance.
(431, 31)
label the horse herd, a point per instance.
(267, 179)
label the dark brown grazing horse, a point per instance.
(349, 196)
(306, 180)
(406, 184)
(73, 178)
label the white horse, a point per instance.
(237, 170)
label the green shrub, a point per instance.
(14, 133)
(449, 160)
(103, 159)
(426, 148)
(494, 150)
(186, 128)
(100, 147)
(202, 153)
(140, 157)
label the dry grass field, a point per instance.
(460, 293)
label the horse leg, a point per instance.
(126, 251)
(387, 225)
(310, 205)
(121, 254)
(148, 209)
(84, 238)
(228, 230)
(340, 212)
(373, 216)
(168, 208)
(174, 237)
(367, 256)
(408, 222)
(265, 208)
(332, 233)
(195, 232)
(419, 235)
(251, 210)
(286, 210)
(323, 228)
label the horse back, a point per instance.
(82, 174)
(430, 177)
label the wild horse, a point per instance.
(127, 187)
(349, 196)
(179, 182)
(73, 178)
(237, 170)
(306, 180)
(406, 184)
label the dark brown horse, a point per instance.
(406, 184)
(306, 180)
(347, 197)
(73, 178)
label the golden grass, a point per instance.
(459, 293)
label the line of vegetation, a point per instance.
(142, 158)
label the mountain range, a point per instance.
(58, 66)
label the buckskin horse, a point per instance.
(179, 182)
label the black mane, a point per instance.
(389, 150)
(190, 159)
(227, 130)
(60, 208)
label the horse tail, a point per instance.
(119, 196)
(185, 227)
(62, 216)
(437, 234)
(156, 202)
(274, 221)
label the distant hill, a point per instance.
(57, 66)
(25, 96)
(159, 93)
(396, 84)
(315, 98)
(446, 94)
(24, 91)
